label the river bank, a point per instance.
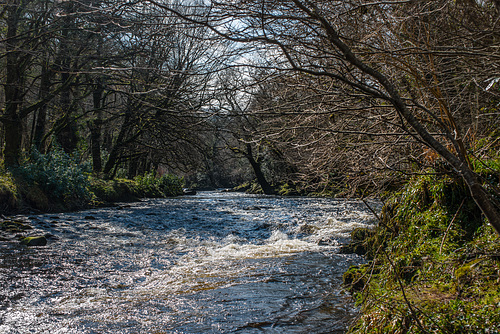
(434, 264)
(19, 194)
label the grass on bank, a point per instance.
(58, 182)
(434, 263)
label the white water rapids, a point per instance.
(210, 263)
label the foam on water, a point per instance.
(212, 263)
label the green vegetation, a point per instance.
(34, 241)
(165, 186)
(57, 181)
(123, 190)
(55, 177)
(434, 263)
(9, 195)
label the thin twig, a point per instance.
(410, 306)
(371, 209)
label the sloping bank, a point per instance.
(57, 181)
(434, 264)
(19, 194)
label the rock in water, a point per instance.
(34, 241)
(187, 191)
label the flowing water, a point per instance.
(210, 263)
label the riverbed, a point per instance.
(215, 262)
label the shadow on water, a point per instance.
(210, 263)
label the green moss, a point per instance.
(34, 241)
(14, 226)
(118, 190)
(10, 198)
(436, 261)
(125, 190)
(242, 187)
(361, 242)
(290, 189)
(356, 278)
(252, 187)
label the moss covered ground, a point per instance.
(434, 264)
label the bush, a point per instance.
(166, 186)
(148, 185)
(117, 190)
(170, 185)
(60, 176)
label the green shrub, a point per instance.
(170, 185)
(60, 176)
(117, 190)
(165, 186)
(148, 185)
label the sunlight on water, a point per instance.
(212, 263)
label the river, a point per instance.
(210, 263)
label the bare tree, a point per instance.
(358, 44)
(167, 82)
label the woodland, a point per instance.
(398, 100)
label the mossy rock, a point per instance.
(362, 234)
(355, 278)
(34, 241)
(353, 248)
(14, 226)
(119, 190)
(242, 187)
(360, 241)
(289, 189)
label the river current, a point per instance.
(210, 263)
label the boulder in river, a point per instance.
(188, 191)
(34, 241)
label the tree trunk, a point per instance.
(266, 187)
(41, 117)
(66, 134)
(95, 128)
(125, 137)
(484, 200)
(133, 166)
(112, 161)
(115, 150)
(95, 145)
(13, 131)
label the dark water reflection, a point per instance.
(211, 263)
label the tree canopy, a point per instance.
(316, 93)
